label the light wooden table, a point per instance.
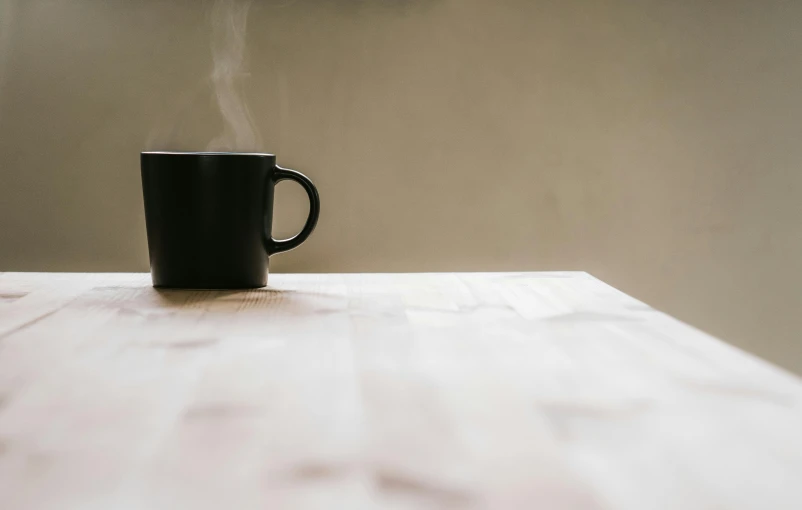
(410, 391)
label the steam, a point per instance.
(229, 24)
(229, 28)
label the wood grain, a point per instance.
(407, 391)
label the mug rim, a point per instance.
(211, 153)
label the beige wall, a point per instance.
(655, 144)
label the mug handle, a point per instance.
(274, 246)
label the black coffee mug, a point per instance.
(209, 217)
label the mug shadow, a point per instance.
(180, 296)
(265, 298)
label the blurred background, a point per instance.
(654, 144)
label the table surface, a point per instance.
(406, 391)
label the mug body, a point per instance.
(208, 216)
